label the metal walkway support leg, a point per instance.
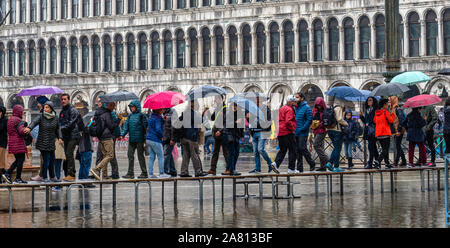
(214, 191)
(439, 180)
(10, 206)
(341, 183)
(447, 223)
(392, 181)
(328, 185)
(288, 188)
(162, 193)
(47, 199)
(32, 199)
(222, 188)
(422, 181)
(381, 182)
(331, 184)
(101, 195)
(136, 195)
(200, 193)
(234, 189)
(114, 195)
(260, 188)
(273, 189)
(371, 182)
(316, 184)
(175, 192)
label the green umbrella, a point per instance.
(411, 78)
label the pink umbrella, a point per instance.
(165, 99)
(422, 100)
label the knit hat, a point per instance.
(42, 100)
(291, 98)
(50, 103)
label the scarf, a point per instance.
(49, 116)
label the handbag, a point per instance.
(315, 124)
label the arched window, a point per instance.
(108, 54)
(73, 55)
(181, 4)
(232, 35)
(119, 7)
(194, 47)
(21, 58)
(15, 100)
(168, 4)
(74, 8)
(144, 5)
(206, 47)
(130, 52)
(193, 3)
(23, 10)
(288, 42)
(260, 44)
(96, 54)
(401, 31)
(219, 2)
(379, 36)
(31, 57)
(431, 32)
(52, 56)
(143, 52)
(274, 43)
(96, 8)
(42, 57)
(247, 46)
(64, 9)
(2, 60)
(333, 39)
(53, 9)
(167, 50)
(63, 55)
(108, 7)
(414, 34)
(218, 33)
(181, 47)
(84, 54)
(33, 10)
(86, 8)
(155, 50)
(206, 2)
(446, 21)
(131, 6)
(303, 40)
(318, 40)
(12, 14)
(11, 59)
(349, 38)
(364, 37)
(118, 41)
(43, 7)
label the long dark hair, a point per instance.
(375, 103)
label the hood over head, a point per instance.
(137, 104)
(18, 111)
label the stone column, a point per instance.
(58, 59)
(188, 4)
(175, 4)
(137, 51)
(102, 8)
(440, 40)
(200, 51)
(356, 54)
(174, 53)
(373, 42)
(49, 10)
(311, 45)
(188, 51)
(102, 58)
(17, 14)
(161, 53)
(138, 6)
(47, 60)
(27, 62)
(213, 3)
(325, 47)
(226, 49)
(113, 7)
(341, 44)
(254, 49)
(80, 52)
(28, 12)
(91, 8)
(59, 8)
(163, 5)
(125, 57)
(240, 49)
(150, 5)
(423, 39)
(267, 47)
(8, 19)
(296, 45)
(69, 11)
(80, 8)
(91, 58)
(16, 62)
(282, 47)
(213, 50)
(38, 10)
(114, 56)
(149, 54)
(37, 64)
(406, 39)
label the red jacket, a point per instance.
(16, 143)
(319, 102)
(382, 121)
(286, 120)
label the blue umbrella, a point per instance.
(366, 94)
(248, 105)
(205, 91)
(344, 91)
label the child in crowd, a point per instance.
(350, 137)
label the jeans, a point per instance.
(399, 150)
(155, 149)
(422, 152)
(429, 139)
(286, 143)
(258, 149)
(169, 163)
(48, 163)
(337, 140)
(373, 151)
(69, 163)
(132, 146)
(18, 163)
(348, 148)
(233, 155)
(85, 165)
(302, 151)
(385, 143)
(209, 142)
(58, 163)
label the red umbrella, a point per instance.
(422, 100)
(165, 99)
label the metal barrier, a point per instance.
(447, 208)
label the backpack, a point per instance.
(96, 127)
(27, 138)
(329, 118)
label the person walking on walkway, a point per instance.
(319, 132)
(71, 124)
(16, 144)
(219, 119)
(168, 143)
(431, 118)
(3, 139)
(85, 150)
(49, 130)
(399, 130)
(103, 115)
(383, 119)
(233, 133)
(260, 132)
(416, 136)
(350, 137)
(40, 101)
(367, 117)
(303, 115)
(136, 126)
(154, 143)
(335, 134)
(287, 125)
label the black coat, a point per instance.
(368, 120)
(415, 123)
(3, 129)
(237, 131)
(48, 131)
(447, 119)
(168, 129)
(70, 122)
(109, 125)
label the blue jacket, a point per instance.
(303, 114)
(155, 128)
(415, 123)
(351, 132)
(136, 124)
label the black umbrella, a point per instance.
(205, 91)
(445, 71)
(390, 89)
(119, 96)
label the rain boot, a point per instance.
(350, 163)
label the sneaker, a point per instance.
(254, 171)
(185, 175)
(7, 178)
(376, 165)
(431, 164)
(234, 173)
(388, 166)
(202, 174)
(45, 180)
(289, 171)
(173, 174)
(36, 178)
(270, 169)
(411, 165)
(296, 172)
(152, 176)
(337, 169)
(94, 173)
(321, 168)
(55, 180)
(211, 172)
(128, 176)
(164, 176)
(143, 175)
(226, 173)
(329, 166)
(19, 181)
(71, 179)
(275, 167)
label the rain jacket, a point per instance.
(383, 119)
(318, 115)
(431, 116)
(168, 129)
(287, 123)
(136, 124)
(339, 114)
(3, 128)
(109, 124)
(16, 143)
(351, 132)
(70, 122)
(303, 115)
(415, 123)
(155, 128)
(236, 132)
(48, 130)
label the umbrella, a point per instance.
(87, 117)
(253, 96)
(366, 94)
(248, 105)
(422, 100)
(119, 96)
(344, 91)
(389, 89)
(40, 90)
(165, 99)
(205, 91)
(411, 78)
(445, 71)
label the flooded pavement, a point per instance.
(408, 207)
